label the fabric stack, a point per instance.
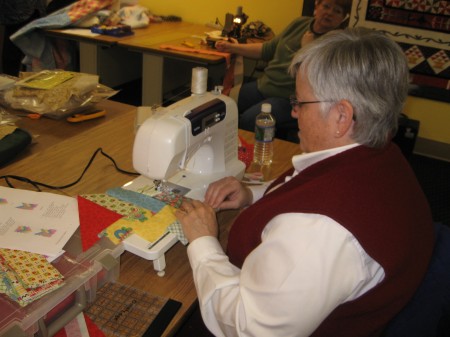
(26, 277)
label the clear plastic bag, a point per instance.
(7, 118)
(55, 93)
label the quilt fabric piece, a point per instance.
(118, 213)
(71, 329)
(32, 40)
(93, 219)
(143, 222)
(162, 206)
(26, 277)
(113, 204)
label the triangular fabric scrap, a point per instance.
(93, 220)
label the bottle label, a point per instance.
(264, 134)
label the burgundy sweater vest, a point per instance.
(375, 195)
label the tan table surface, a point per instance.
(173, 33)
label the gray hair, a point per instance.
(363, 67)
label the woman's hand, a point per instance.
(250, 50)
(197, 219)
(226, 46)
(228, 193)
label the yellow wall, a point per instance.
(276, 14)
(434, 116)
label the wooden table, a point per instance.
(49, 132)
(62, 151)
(156, 65)
(121, 59)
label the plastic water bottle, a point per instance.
(264, 134)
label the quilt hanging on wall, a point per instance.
(421, 27)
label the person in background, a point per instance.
(14, 14)
(337, 245)
(275, 85)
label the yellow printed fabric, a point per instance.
(113, 204)
(142, 222)
(26, 277)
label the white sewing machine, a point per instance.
(184, 147)
(190, 143)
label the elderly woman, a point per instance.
(337, 245)
(275, 85)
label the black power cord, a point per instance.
(37, 184)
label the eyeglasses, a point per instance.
(295, 103)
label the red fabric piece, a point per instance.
(94, 330)
(228, 81)
(93, 219)
(82, 8)
(245, 152)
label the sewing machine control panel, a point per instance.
(206, 115)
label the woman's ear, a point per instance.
(344, 117)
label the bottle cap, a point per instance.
(266, 107)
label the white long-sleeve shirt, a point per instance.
(305, 266)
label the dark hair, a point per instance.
(346, 5)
